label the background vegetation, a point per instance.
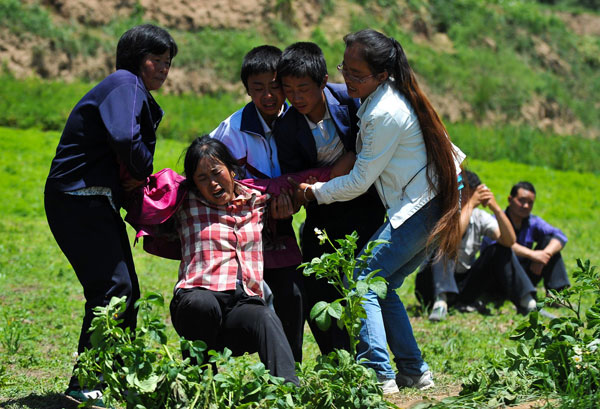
(486, 64)
(41, 303)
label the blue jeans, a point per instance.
(387, 321)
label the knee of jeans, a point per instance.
(199, 307)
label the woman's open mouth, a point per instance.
(218, 193)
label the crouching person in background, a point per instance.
(465, 280)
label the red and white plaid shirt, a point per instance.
(219, 241)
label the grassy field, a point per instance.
(41, 302)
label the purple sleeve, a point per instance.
(274, 186)
(541, 228)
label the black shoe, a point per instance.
(477, 305)
(85, 395)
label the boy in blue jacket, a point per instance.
(248, 135)
(318, 129)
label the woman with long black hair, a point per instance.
(403, 148)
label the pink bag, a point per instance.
(149, 210)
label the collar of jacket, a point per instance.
(250, 122)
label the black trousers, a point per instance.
(237, 321)
(286, 284)
(497, 270)
(554, 272)
(365, 214)
(94, 239)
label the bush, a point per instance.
(557, 360)
(141, 371)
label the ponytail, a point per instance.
(384, 53)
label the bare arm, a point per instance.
(465, 213)
(542, 256)
(553, 247)
(506, 234)
(282, 207)
(343, 165)
(539, 258)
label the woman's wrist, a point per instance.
(305, 193)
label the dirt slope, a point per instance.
(28, 55)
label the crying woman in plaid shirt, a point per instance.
(218, 297)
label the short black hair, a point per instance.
(303, 59)
(521, 185)
(137, 42)
(259, 60)
(205, 146)
(472, 179)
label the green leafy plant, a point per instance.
(139, 368)
(337, 381)
(140, 371)
(338, 269)
(558, 360)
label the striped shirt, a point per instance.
(221, 244)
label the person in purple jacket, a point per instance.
(106, 149)
(538, 243)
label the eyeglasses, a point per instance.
(351, 77)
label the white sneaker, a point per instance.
(528, 303)
(388, 386)
(422, 382)
(439, 311)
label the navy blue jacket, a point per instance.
(113, 123)
(296, 146)
(297, 151)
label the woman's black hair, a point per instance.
(259, 60)
(136, 43)
(385, 54)
(472, 179)
(303, 59)
(202, 147)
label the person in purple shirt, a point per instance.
(538, 243)
(106, 149)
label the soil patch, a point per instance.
(416, 397)
(581, 24)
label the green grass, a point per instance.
(527, 146)
(41, 299)
(189, 115)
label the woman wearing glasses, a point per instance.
(403, 148)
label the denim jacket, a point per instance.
(391, 154)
